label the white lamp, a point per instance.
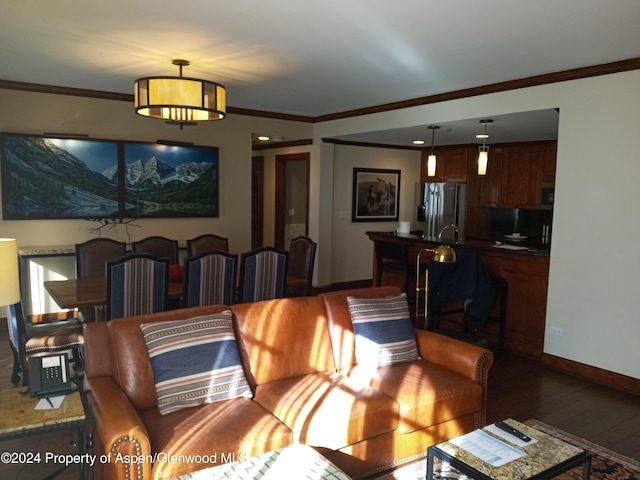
(431, 159)
(9, 277)
(483, 151)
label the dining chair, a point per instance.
(91, 261)
(29, 339)
(263, 274)
(206, 243)
(136, 284)
(160, 247)
(302, 255)
(209, 279)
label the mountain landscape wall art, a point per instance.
(49, 178)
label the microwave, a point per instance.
(547, 192)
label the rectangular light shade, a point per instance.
(9, 277)
(483, 160)
(431, 165)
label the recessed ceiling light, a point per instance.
(418, 142)
(482, 135)
(263, 138)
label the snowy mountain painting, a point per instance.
(170, 181)
(57, 178)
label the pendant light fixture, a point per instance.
(179, 100)
(431, 159)
(483, 153)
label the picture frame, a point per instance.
(58, 178)
(376, 195)
(45, 178)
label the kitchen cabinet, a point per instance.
(451, 164)
(527, 280)
(515, 175)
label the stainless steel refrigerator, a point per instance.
(442, 205)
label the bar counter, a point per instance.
(417, 242)
(524, 268)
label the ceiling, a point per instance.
(318, 58)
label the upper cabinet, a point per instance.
(451, 164)
(515, 175)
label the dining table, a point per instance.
(90, 291)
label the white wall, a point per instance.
(26, 112)
(352, 259)
(595, 260)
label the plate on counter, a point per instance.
(513, 237)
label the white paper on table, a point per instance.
(56, 401)
(487, 448)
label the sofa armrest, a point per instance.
(464, 358)
(120, 430)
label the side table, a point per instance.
(20, 419)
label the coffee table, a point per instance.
(544, 458)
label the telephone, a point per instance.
(49, 375)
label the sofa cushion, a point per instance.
(428, 394)
(383, 329)
(195, 361)
(211, 434)
(328, 409)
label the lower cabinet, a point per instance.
(527, 279)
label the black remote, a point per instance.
(509, 429)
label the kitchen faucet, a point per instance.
(451, 225)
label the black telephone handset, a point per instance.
(49, 375)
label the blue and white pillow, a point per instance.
(195, 361)
(383, 329)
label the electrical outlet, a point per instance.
(557, 331)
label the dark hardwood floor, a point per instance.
(519, 388)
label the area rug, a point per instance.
(605, 464)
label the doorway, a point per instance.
(292, 198)
(257, 202)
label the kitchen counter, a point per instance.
(524, 269)
(506, 246)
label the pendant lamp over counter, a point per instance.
(180, 100)
(483, 151)
(431, 159)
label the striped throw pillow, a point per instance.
(195, 361)
(383, 329)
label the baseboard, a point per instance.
(343, 286)
(594, 374)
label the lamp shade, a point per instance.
(179, 99)
(9, 277)
(483, 160)
(431, 165)
(444, 254)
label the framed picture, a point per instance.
(376, 193)
(170, 181)
(50, 178)
(60, 178)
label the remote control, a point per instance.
(509, 429)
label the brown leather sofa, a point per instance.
(298, 356)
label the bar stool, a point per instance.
(393, 258)
(455, 312)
